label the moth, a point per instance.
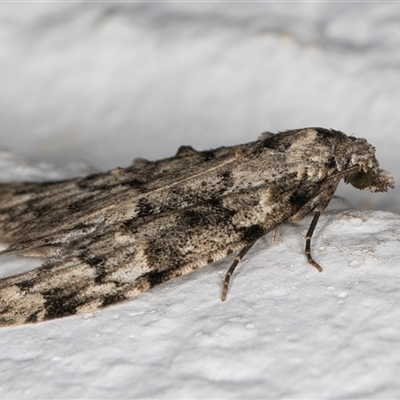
(110, 236)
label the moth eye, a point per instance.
(361, 179)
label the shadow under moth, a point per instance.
(110, 236)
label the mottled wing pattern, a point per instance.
(111, 236)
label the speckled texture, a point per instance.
(108, 82)
(110, 237)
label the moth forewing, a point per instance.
(111, 236)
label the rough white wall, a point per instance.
(107, 82)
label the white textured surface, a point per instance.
(109, 82)
(285, 330)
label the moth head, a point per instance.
(368, 175)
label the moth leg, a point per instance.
(308, 241)
(273, 235)
(229, 274)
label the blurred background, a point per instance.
(108, 82)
